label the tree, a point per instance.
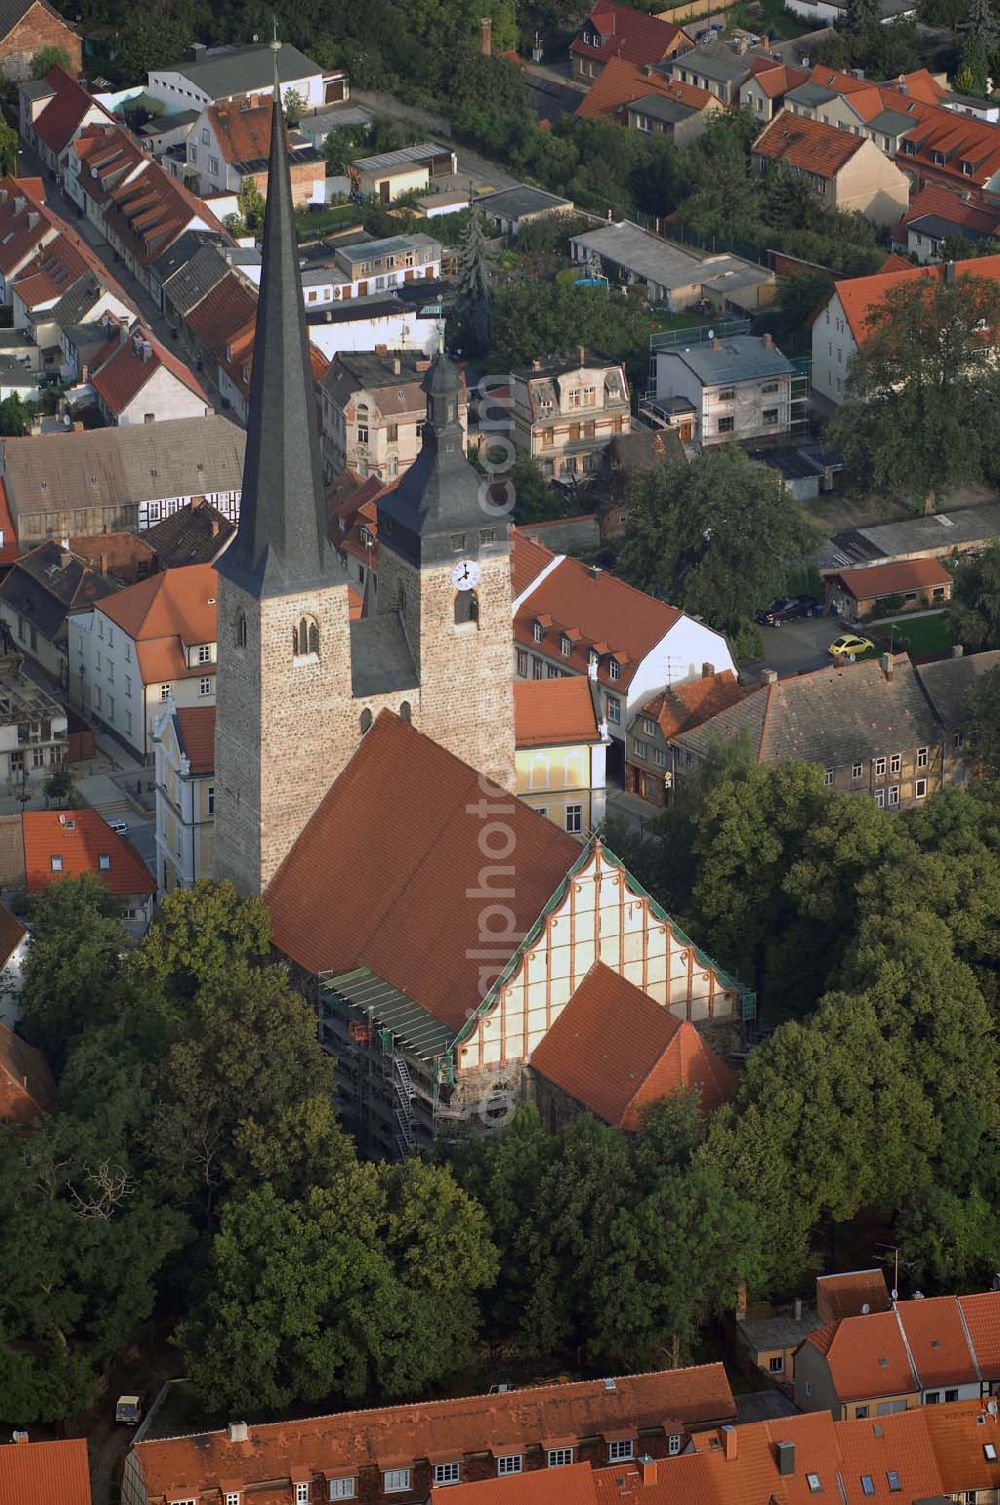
(9, 147)
(14, 415)
(920, 386)
(477, 257)
(982, 707)
(251, 202)
(982, 22)
(974, 609)
(199, 934)
(718, 537)
(59, 786)
(295, 106)
(48, 58)
(859, 15)
(974, 66)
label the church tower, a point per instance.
(284, 726)
(444, 565)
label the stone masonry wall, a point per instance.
(41, 27)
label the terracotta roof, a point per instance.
(377, 820)
(528, 558)
(620, 82)
(225, 318)
(866, 1356)
(196, 734)
(26, 1085)
(163, 615)
(61, 117)
(774, 78)
(603, 610)
(352, 1440)
(947, 204)
(109, 154)
(571, 1485)
(895, 263)
(982, 1320)
(120, 380)
(898, 1443)
(893, 579)
(845, 1295)
(678, 708)
(22, 229)
(125, 555)
(52, 271)
(860, 297)
(958, 1435)
(807, 144)
(10, 549)
(554, 711)
(937, 1339)
(80, 838)
(647, 1055)
(242, 128)
(39, 1473)
(151, 209)
(631, 34)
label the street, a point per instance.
(797, 646)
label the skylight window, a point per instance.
(867, 1484)
(989, 1452)
(815, 1484)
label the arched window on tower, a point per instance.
(406, 712)
(366, 721)
(305, 638)
(240, 630)
(466, 609)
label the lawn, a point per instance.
(920, 636)
(310, 224)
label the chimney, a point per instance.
(798, 1308)
(741, 1301)
(886, 665)
(768, 676)
(785, 1452)
(20, 1436)
(397, 366)
(486, 36)
(647, 1469)
(729, 1443)
(957, 650)
(536, 363)
(238, 1431)
(381, 350)
(581, 355)
(65, 559)
(949, 271)
(19, 203)
(716, 344)
(104, 564)
(708, 671)
(768, 342)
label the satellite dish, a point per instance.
(711, 334)
(865, 1310)
(992, 1407)
(895, 1294)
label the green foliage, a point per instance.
(553, 318)
(251, 202)
(295, 106)
(974, 66)
(47, 58)
(974, 608)
(59, 786)
(14, 415)
(983, 710)
(477, 258)
(718, 537)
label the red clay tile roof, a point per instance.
(528, 558)
(353, 1440)
(80, 838)
(196, 731)
(53, 269)
(844, 1295)
(774, 78)
(958, 1435)
(866, 1356)
(550, 712)
(603, 610)
(937, 1340)
(572, 1484)
(120, 380)
(647, 1055)
(628, 33)
(893, 579)
(125, 555)
(982, 1320)
(24, 228)
(377, 819)
(42, 1473)
(620, 82)
(900, 1443)
(165, 614)
(62, 115)
(860, 297)
(10, 549)
(895, 263)
(947, 204)
(807, 144)
(151, 209)
(679, 708)
(242, 128)
(26, 1085)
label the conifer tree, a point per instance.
(477, 257)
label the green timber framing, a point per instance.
(372, 1009)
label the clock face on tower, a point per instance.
(465, 575)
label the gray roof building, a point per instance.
(742, 357)
(810, 95)
(721, 64)
(521, 202)
(222, 72)
(659, 107)
(192, 282)
(934, 536)
(640, 252)
(948, 682)
(195, 534)
(406, 156)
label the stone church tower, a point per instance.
(298, 683)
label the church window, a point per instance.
(305, 638)
(241, 630)
(406, 712)
(366, 721)
(466, 608)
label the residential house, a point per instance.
(229, 147)
(184, 746)
(769, 81)
(868, 725)
(142, 382)
(26, 1092)
(649, 761)
(69, 843)
(26, 223)
(572, 619)
(221, 327)
(581, 1065)
(34, 734)
(940, 535)
(854, 1293)
(222, 73)
(510, 208)
(624, 252)
(718, 69)
(620, 31)
(740, 388)
(389, 319)
(152, 640)
(769, 1337)
(363, 267)
(372, 412)
(351, 507)
(84, 482)
(388, 175)
(821, 13)
(843, 323)
(188, 270)
(565, 412)
(52, 116)
(124, 555)
(33, 1473)
(104, 156)
(29, 26)
(38, 595)
(936, 214)
(372, 1455)
(41, 283)
(84, 322)
(561, 740)
(196, 533)
(649, 100)
(923, 1352)
(847, 171)
(947, 685)
(146, 213)
(888, 589)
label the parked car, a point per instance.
(120, 827)
(787, 608)
(128, 1410)
(849, 646)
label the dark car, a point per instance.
(787, 609)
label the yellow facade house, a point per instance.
(184, 740)
(561, 746)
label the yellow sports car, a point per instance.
(849, 646)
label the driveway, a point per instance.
(797, 646)
(107, 796)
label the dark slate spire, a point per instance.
(441, 498)
(281, 544)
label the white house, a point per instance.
(216, 73)
(142, 382)
(366, 323)
(739, 387)
(184, 744)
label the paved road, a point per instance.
(797, 646)
(106, 795)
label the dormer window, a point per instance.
(967, 168)
(366, 537)
(565, 646)
(909, 149)
(938, 159)
(537, 631)
(614, 668)
(395, 1481)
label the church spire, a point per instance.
(281, 545)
